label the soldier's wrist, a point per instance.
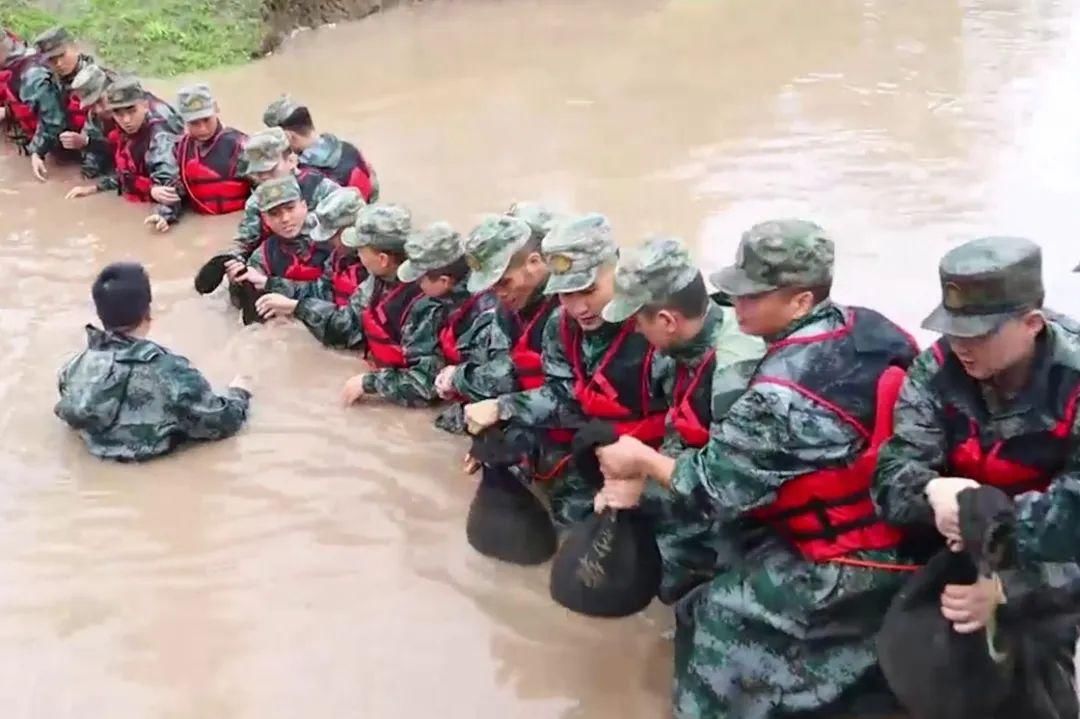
(369, 384)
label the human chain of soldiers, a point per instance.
(795, 455)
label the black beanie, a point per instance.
(122, 295)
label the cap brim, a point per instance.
(120, 106)
(485, 279)
(620, 309)
(407, 271)
(200, 115)
(966, 326)
(734, 281)
(319, 233)
(265, 167)
(90, 99)
(55, 52)
(571, 282)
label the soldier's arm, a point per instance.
(486, 371)
(201, 413)
(161, 163)
(553, 404)
(337, 327)
(319, 289)
(249, 230)
(38, 90)
(256, 260)
(96, 158)
(1048, 523)
(915, 454)
(414, 384)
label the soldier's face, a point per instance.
(131, 119)
(769, 313)
(663, 329)
(377, 263)
(585, 306)
(520, 281)
(64, 64)
(202, 130)
(986, 357)
(288, 219)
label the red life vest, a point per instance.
(76, 114)
(618, 387)
(459, 321)
(132, 173)
(19, 114)
(281, 258)
(383, 320)
(691, 411)
(1014, 465)
(346, 275)
(352, 171)
(855, 372)
(526, 352)
(210, 176)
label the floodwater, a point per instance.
(316, 565)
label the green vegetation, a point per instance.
(151, 37)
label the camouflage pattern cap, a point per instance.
(432, 248)
(384, 228)
(335, 212)
(276, 192)
(124, 92)
(89, 84)
(53, 42)
(649, 275)
(195, 102)
(263, 150)
(575, 250)
(490, 247)
(279, 110)
(775, 254)
(539, 218)
(984, 283)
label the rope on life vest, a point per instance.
(565, 460)
(867, 564)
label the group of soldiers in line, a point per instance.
(798, 455)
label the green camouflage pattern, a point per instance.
(132, 399)
(490, 247)
(324, 155)
(335, 212)
(195, 102)
(124, 92)
(539, 217)
(340, 327)
(39, 89)
(774, 634)
(54, 41)
(97, 156)
(264, 150)
(279, 110)
(276, 192)
(575, 250)
(163, 169)
(986, 282)
(320, 289)
(301, 244)
(433, 248)
(650, 275)
(249, 232)
(472, 371)
(778, 253)
(89, 84)
(384, 228)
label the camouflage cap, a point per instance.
(276, 192)
(775, 254)
(279, 110)
(490, 247)
(539, 218)
(89, 84)
(195, 102)
(574, 251)
(263, 150)
(432, 248)
(335, 212)
(649, 275)
(984, 283)
(124, 92)
(53, 42)
(384, 228)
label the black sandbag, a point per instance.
(506, 521)
(248, 295)
(609, 564)
(210, 275)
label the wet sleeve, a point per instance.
(40, 92)
(770, 435)
(96, 156)
(553, 404)
(161, 163)
(320, 289)
(200, 412)
(486, 371)
(249, 231)
(915, 454)
(337, 327)
(256, 259)
(1048, 523)
(414, 384)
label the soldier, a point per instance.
(339, 160)
(209, 156)
(592, 369)
(406, 367)
(145, 159)
(58, 48)
(661, 289)
(32, 109)
(267, 155)
(131, 399)
(790, 628)
(993, 402)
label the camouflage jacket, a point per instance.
(249, 233)
(324, 156)
(39, 90)
(161, 167)
(302, 244)
(1048, 522)
(554, 404)
(471, 378)
(340, 327)
(320, 289)
(131, 399)
(414, 385)
(97, 156)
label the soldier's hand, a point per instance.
(241, 381)
(73, 140)
(621, 459)
(256, 278)
(274, 305)
(481, 415)
(622, 494)
(941, 493)
(37, 166)
(81, 191)
(235, 270)
(470, 465)
(969, 607)
(158, 222)
(165, 195)
(444, 382)
(353, 390)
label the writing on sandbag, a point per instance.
(590, 569)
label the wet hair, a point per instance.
(457, 271)
(820, 293)
(122, 295)
(397, 256)
(691, 301)
(299, 121)
(519, 258)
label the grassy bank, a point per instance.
(151, 37)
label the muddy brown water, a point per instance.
(317, 565)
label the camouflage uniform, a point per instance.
(575, 251)
(262, 153)
(691, 544)
(775, 634)
(39, 90)
(132, 399)
(274, 193)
